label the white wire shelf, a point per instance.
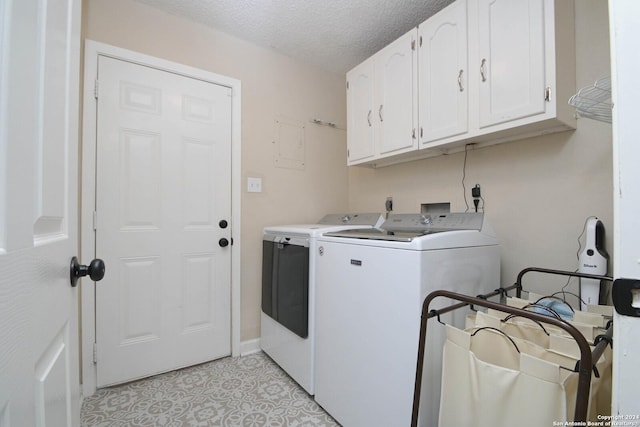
(594, 102)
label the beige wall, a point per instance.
(538, 191)
(272, 86)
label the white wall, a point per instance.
(538, 191)
(273, 86)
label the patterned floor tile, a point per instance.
(248, 391)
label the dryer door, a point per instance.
(285, 283)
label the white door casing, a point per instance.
(39, 75)
(151, 181)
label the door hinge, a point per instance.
(420, 41)
(547, 94)
(413, 45)
(347, 85)
(95, 88)
(95, 353)
(95, 220)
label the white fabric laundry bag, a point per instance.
(563, 350)
(486, 382)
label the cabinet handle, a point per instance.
(483, 71)
(369, 118)
(380, 113)
(460, 81)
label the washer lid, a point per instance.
(370, 219)
(406, 227)
(330, 222)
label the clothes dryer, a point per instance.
(289, 288)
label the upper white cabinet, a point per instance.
(382, 113)
(443, 73)
(511, 67)
(489, 71)
(396, 98)
(360, 107)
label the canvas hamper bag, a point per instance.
(491, 380)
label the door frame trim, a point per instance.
(87, 205)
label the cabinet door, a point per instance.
(395, 109)
(511, 60)
(442, 74)
(360, 113)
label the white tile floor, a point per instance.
(244, 391)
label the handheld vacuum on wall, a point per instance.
(592, 260)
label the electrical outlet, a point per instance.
(254, 185)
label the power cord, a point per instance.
(475, 191)
(464, 175)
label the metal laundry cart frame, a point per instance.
(584, 367)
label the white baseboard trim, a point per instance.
(249, 347)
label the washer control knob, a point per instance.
(426, 220)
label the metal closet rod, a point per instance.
(583, 367)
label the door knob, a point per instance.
(95, 270)
(223, 242)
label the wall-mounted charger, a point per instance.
(475, 191)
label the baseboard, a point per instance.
(249, 347)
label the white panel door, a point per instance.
(511, 54)
(163, 188)
(39, 75)
(443, 72)
(625, 66)
(395, 109)
(360, 113)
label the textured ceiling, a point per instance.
(335, 35)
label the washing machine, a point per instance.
(370, 288)
(289, 290)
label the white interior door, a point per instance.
(39, 70)
(625, 66)
(162, 191)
